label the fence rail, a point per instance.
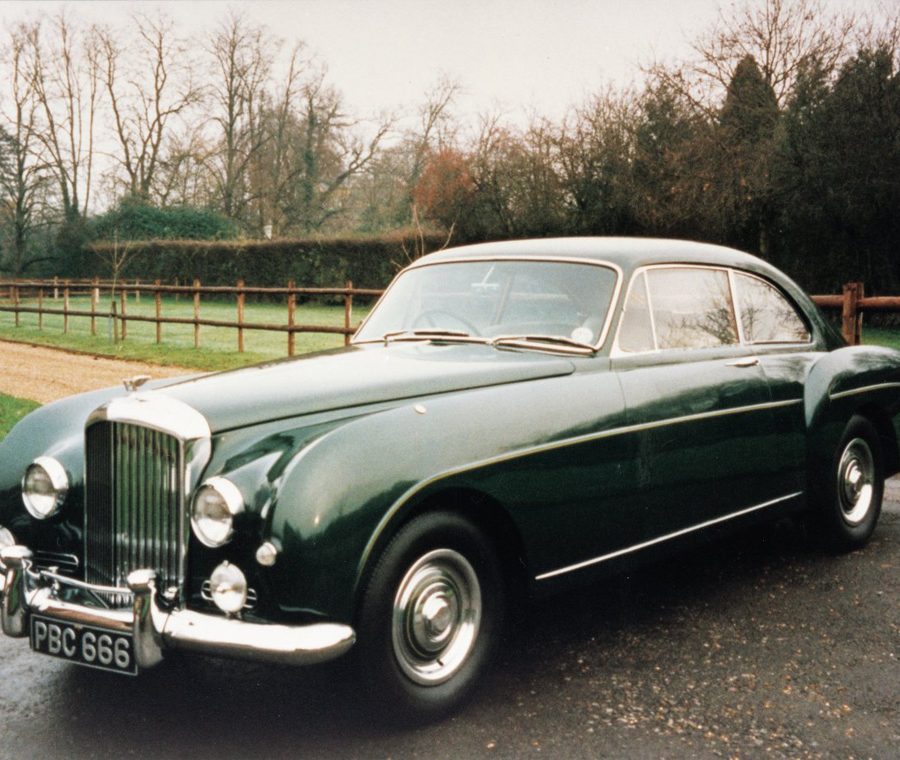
(852, 302)
(117, 294)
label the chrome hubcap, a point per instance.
(436, 615)
(856, 481)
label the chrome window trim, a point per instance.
(553, 446)
(790, 302)
(617, 353)
(613, 301)
(666, 537)
(864, 389)
(736, 309)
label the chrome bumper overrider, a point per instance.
(156, 628)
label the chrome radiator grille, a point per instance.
(134, 504)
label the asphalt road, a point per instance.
(757, 647)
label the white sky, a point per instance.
(518, 56)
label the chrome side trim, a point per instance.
(563, 443)
(157, 411)
(666, 537)
(864, 389)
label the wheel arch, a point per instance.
(483, 510)
(881, 420)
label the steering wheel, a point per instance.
(427, 319)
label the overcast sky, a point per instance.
(518, 56)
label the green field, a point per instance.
(218, 345)
(12, 410)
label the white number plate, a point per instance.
(84, 644)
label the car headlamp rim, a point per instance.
(233, 503)
(59, 483)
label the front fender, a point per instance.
(356, 483)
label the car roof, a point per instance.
(627, 253)
(632, 253)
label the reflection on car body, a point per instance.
(510, 417)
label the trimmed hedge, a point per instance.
(370, 262)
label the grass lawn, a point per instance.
(218, 345)
(12, 410)
(882, 336)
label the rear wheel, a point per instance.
(851, 503)
(431, 617)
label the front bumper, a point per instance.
(155, 625)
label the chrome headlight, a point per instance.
(215, 506)
(44, 487)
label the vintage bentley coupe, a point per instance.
(510, 418)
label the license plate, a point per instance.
(84, 644)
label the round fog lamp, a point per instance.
(6, 538)
(228, 587)
(215, 506)
(44, 487)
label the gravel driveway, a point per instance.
(46, 374)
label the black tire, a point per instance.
(430, 619)
(850, 503)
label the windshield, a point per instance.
(491, 299)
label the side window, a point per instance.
(636, 330)
(766, 315)
(692, 308)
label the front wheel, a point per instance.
(431, 617)
(852, 502)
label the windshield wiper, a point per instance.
(543, 342)
(431, 334)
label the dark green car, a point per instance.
(511, 418)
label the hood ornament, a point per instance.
(133, 383)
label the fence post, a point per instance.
(114, 318)
(240, 316)
(348, 310)
(196, 313)
(15, 292)
(55, 288)
(95, 298)
(137, 290)
(158, 297)
(66, 308)
(40, 308)
(292, 306)
(123, 299)
(851, 319)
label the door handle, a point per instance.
(745, 361)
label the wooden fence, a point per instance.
(57, 290)
(852, 302)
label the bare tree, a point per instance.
(145, 97)
(65, 79)
(433, 116)
(24, 182)
(324, 151)
(783, 36)
(242, 54)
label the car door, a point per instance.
(697, 401)
(781, 340)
